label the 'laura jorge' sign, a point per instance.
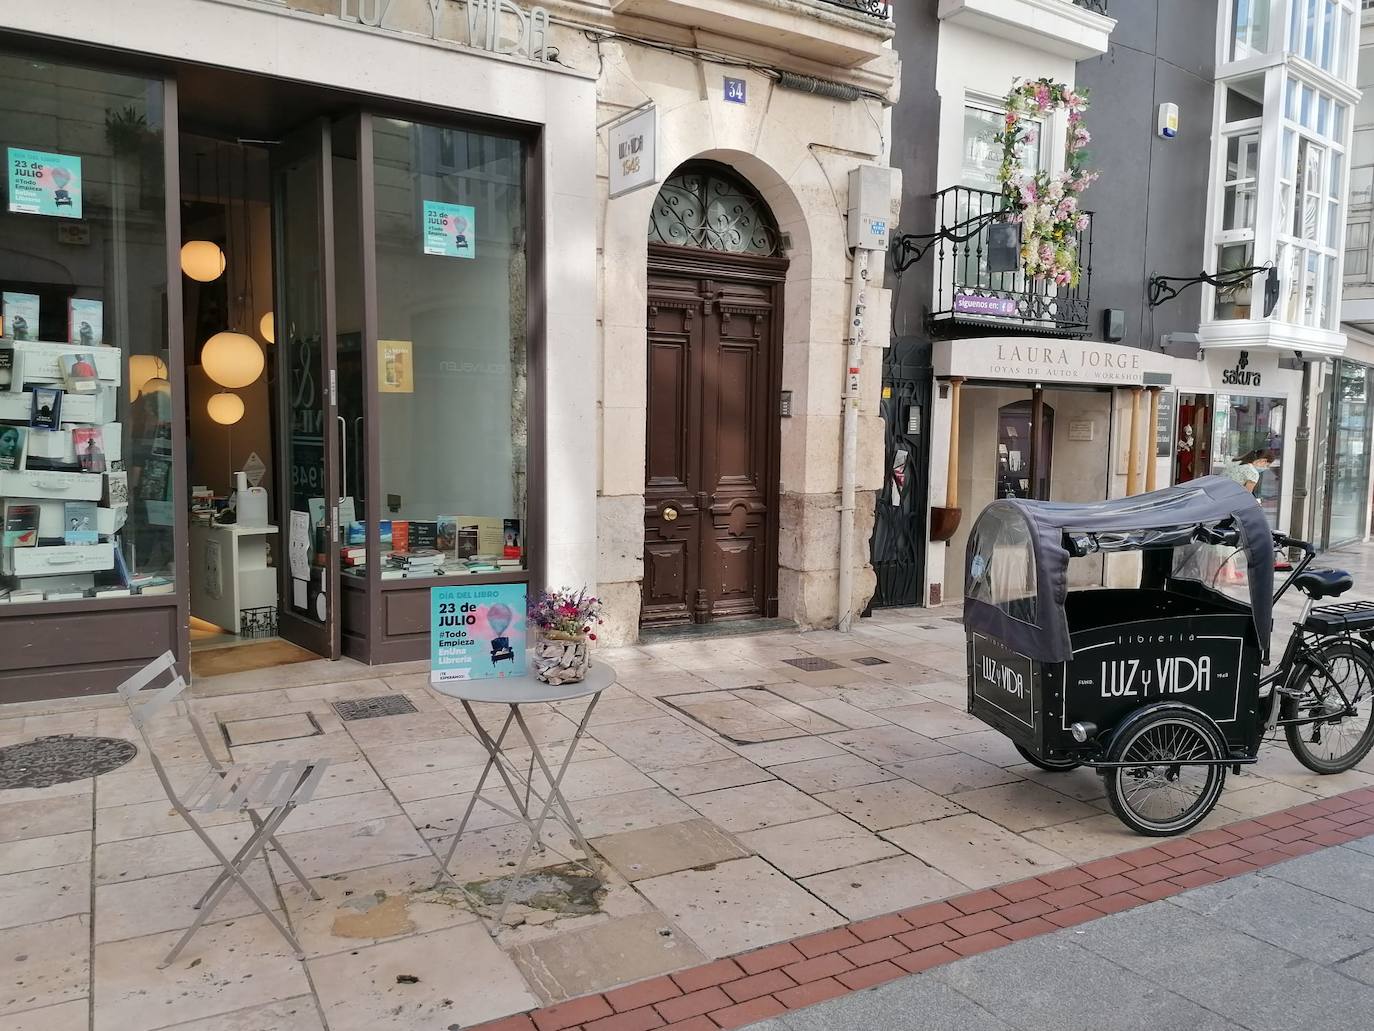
(497, 26)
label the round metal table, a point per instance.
(514, 692)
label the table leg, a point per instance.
(555, 796)
(493, 748)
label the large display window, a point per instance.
(451, 361)
(87, 479)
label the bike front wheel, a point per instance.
(1158, 792)
(1338, 743)
(1053, 765)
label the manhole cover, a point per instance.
(60, 759)
(812, 664)
(371, 708)
(871, 660)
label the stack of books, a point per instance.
(420, 562)
(354, 556)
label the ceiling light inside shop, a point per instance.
(268, 328)
(202, 260)
(232, 360)
(143, 369)
(225, 408)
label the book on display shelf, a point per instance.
(21, 315)
(400, 535)
(21, 524)
(85, 322)
(45, 412)
(79, 522)
(9, 362)
(79, 373)
(89, 444)
(14, 447)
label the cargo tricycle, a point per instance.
(1160, 680)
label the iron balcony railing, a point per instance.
(972, 300)
(1096, 6)
(880, 9)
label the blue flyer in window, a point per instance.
(450, 229)
(44, 184)
(477, 633)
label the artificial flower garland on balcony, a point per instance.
(1046, 205)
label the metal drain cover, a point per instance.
(871, 660)
(60, 759)
(813, 664)
(371, 708)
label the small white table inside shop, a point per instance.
(514, 692)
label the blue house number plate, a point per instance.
(736, 91)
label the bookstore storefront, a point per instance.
(275, 353)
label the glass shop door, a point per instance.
(307, 445)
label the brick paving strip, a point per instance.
(766, 982)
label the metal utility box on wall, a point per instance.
(870, 207)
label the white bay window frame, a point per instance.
(1299, 117)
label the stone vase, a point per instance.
(561, 658)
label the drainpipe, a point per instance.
(849, 454)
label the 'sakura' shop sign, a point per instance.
(497, 26)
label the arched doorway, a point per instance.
(715, 292)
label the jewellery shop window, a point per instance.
(451, 363)
(85, 400)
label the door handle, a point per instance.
(670, 514)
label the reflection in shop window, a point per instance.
(86, 474)
(452, 362)
(1357, 251)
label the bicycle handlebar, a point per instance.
(1284, 541)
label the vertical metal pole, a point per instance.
(1036, 432)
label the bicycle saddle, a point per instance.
(1324, 583)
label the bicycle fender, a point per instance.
(1146, 712)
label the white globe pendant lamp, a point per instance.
(202, 260)
(267, 326)
(232, 359)
(225, 408)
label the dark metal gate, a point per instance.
(899, 525)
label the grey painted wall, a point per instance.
(915, 146)
(1150, 203)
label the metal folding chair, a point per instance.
(276, 789)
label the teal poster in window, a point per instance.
(44, 184)
(477, 633)
(450, 229)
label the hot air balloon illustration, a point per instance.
(499, 617)
(60, 178)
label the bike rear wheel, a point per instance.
(1337, 744)
(1160, 793)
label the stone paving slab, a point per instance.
(881, 796)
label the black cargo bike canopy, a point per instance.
(1017, 563)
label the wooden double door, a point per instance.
(711, 475)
